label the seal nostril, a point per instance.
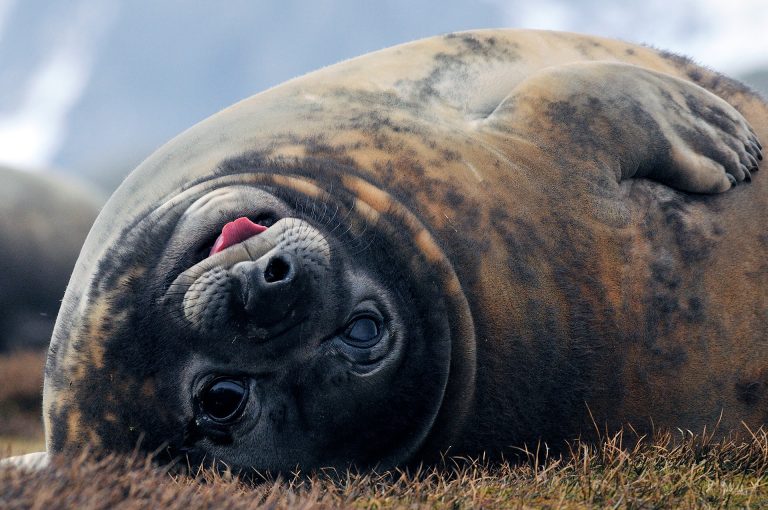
(277, 269)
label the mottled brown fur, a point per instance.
(589, 293)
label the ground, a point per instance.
(21, 386)
(672, 470)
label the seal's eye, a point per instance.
(223, 400)
(363, 332)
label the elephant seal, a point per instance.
(44, 220)
(462, 244)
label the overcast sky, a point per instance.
(92, 86)
(729, 35)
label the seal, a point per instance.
(43, 222)
(462, 244)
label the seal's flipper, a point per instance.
(636, 122)
(29, 462)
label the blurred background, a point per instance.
(89, 88)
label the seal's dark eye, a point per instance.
(223, 400)
(362, 332)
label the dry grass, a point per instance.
(680, 471)
(21, 386)
(671, 471)
(19, 445)
(21, 379)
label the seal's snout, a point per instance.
(258, 282)
(270, 287)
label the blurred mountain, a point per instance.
(44, 220)
(758, 80)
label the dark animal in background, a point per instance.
(44, 220)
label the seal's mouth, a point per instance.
(235, 232)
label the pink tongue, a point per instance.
(236, 232)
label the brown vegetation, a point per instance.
(21, 386)
(672, 471)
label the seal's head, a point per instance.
(265, 319)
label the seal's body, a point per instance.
(466, 243)
(43, 222)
